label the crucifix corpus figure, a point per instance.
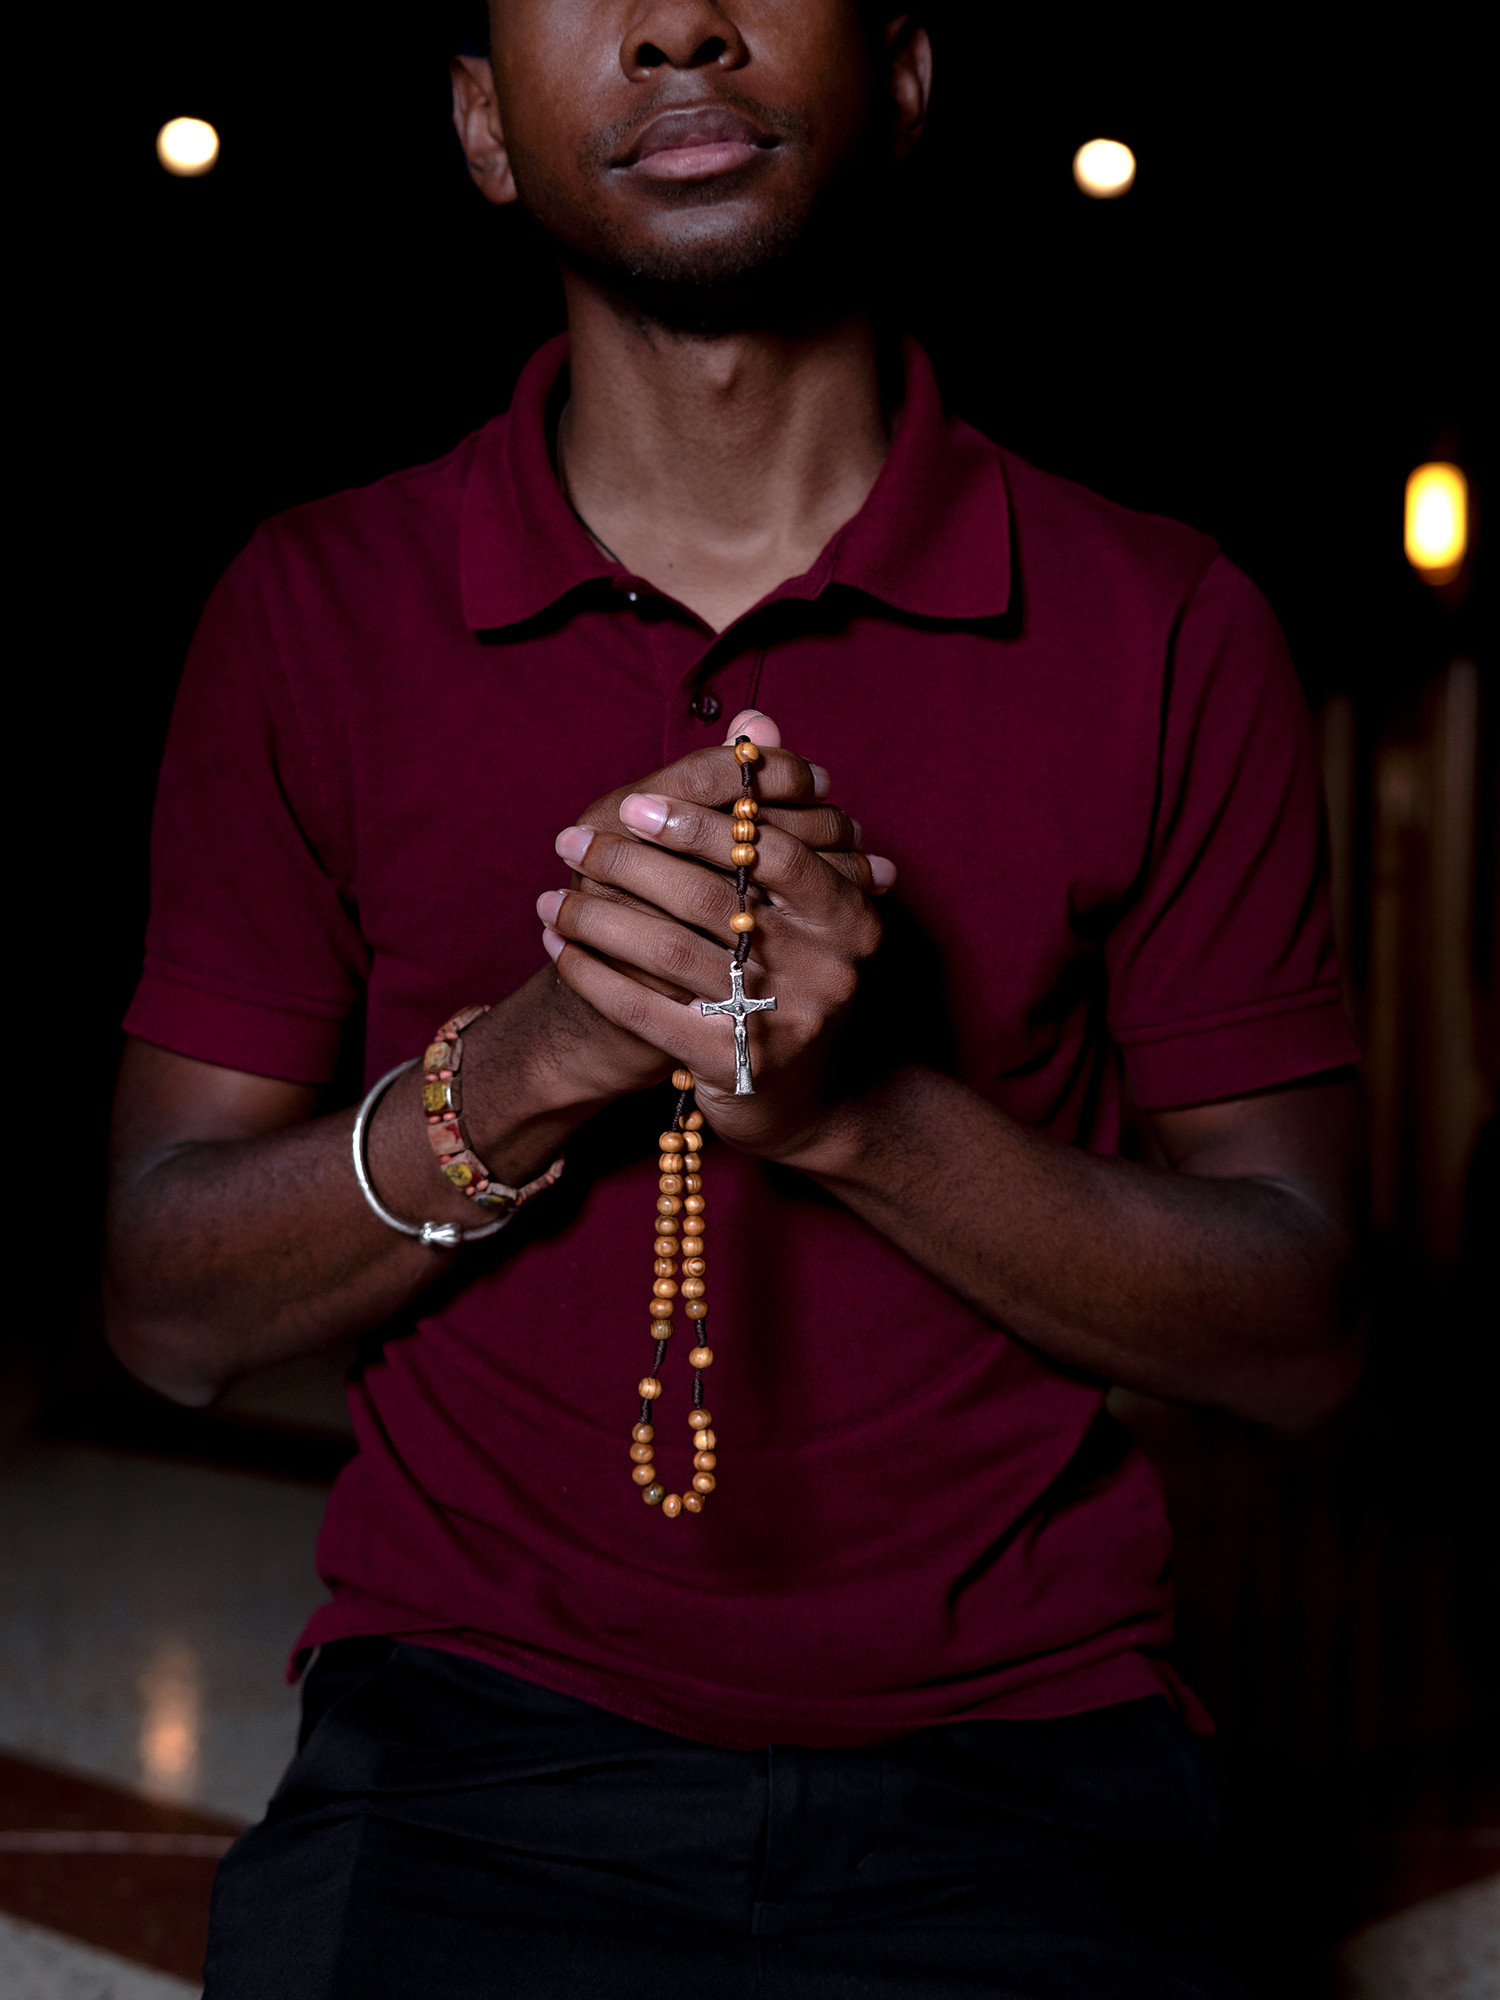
(739, 1008)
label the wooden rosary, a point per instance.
(678, 1248)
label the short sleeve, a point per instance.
(253, 954)
(1222, 973)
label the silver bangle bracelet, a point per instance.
(437, 1235)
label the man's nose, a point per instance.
(681, 34)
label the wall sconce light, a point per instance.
(1104, 169)
(187, 147)
(1437, 522)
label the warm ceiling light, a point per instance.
(1437, 522)
(187, 146)
(1104, 169)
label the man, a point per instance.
(892, 1713)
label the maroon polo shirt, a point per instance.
(1076, 731)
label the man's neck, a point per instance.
(716, 468)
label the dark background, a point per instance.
(1261, 339)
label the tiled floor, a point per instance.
(146, 1610)
(38, 1964)
(1447, 1948)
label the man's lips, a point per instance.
(694, 143)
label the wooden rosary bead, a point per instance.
(746, 808)
(743, 829)
(747, 753)
(679, 1155)
(742, 854)
(742, 920)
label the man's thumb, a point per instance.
(759, 728)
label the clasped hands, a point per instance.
(643, 935)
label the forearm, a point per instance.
(230, 1253)
(1228, 1291)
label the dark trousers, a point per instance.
(448, 1830)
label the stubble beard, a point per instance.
(801, 264)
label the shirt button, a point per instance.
(707, 705)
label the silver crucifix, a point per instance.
(738, 1007)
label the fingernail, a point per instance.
(548, 906)
(756, 724)
(552, 944)
(822, 783)
(573, 843)
(882, 872)
(644, 812)
(859, 833)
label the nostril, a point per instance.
(649, 56)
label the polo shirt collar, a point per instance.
(931, 540)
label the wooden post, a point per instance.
(1451, 1099)
(1425, 1087)
(1337, 746)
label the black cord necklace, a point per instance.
(567, 493)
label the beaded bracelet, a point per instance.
(442, 1101)
(436, 1235)
(462, 1168)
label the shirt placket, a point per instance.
(705, 678)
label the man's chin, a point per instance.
(753, 280)
(703, 292)
(743, 266)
